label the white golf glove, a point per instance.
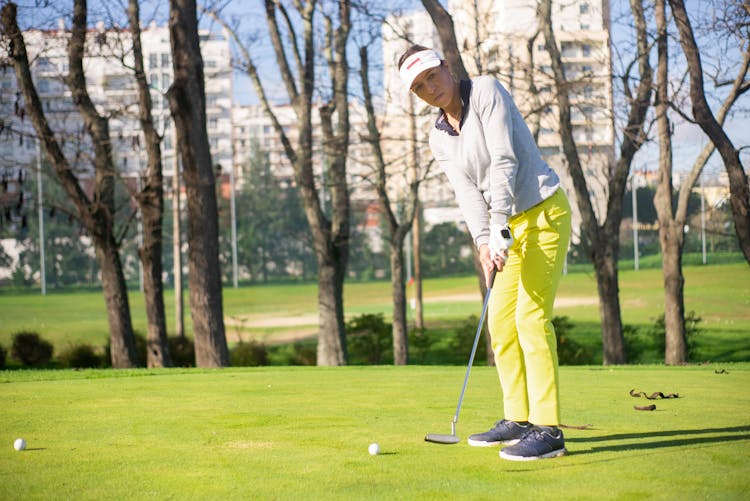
(500, 241)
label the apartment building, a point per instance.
(112, 87)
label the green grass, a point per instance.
(303, 433)
(719, 294)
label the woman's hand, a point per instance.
(488, 263)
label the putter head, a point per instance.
(438, 438)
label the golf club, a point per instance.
(452, 438)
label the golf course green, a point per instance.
(304, 432)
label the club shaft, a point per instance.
(474, 347)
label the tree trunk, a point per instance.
(96, 215)
(609, 306)
(150, 200)
(671, 236)
(601, 241)
(738, 182)
(444, 24)
(187, 104)
(331, 348)
(400, 339)
(121, 348)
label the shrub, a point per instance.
(369, 339)
(248, 354)
(81, 356)
(635, 345)
(30, 349)
(569, 352)
(420, 342)
(462, 340)
(182, 350)
(299, 353)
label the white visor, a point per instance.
(416, 64)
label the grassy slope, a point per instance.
(302, 433)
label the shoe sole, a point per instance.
(481, 443)
(548, 455)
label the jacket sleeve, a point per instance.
(494, 107)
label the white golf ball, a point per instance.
(19, 444)
(374, 449)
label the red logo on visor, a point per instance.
(412, 63)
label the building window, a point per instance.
(583, 8)
(153, 61)
(586, 49)
(44, 64)
(165, 60)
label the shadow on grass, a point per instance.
(695, 437)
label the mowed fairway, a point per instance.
(303, 433)
(718, 294)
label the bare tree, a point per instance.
(97, 213)
(671, 236)
(187, 102)
(330, 235)
(333, 259)
(602, 241)
(398, 229)
(738, 182)
(150, 200)
(672, 219)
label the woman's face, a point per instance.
(435, 86)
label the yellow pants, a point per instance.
(520, 312)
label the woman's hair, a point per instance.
(411, 50)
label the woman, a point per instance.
(519, 218)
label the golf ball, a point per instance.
(19, 444)
(374, 449)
